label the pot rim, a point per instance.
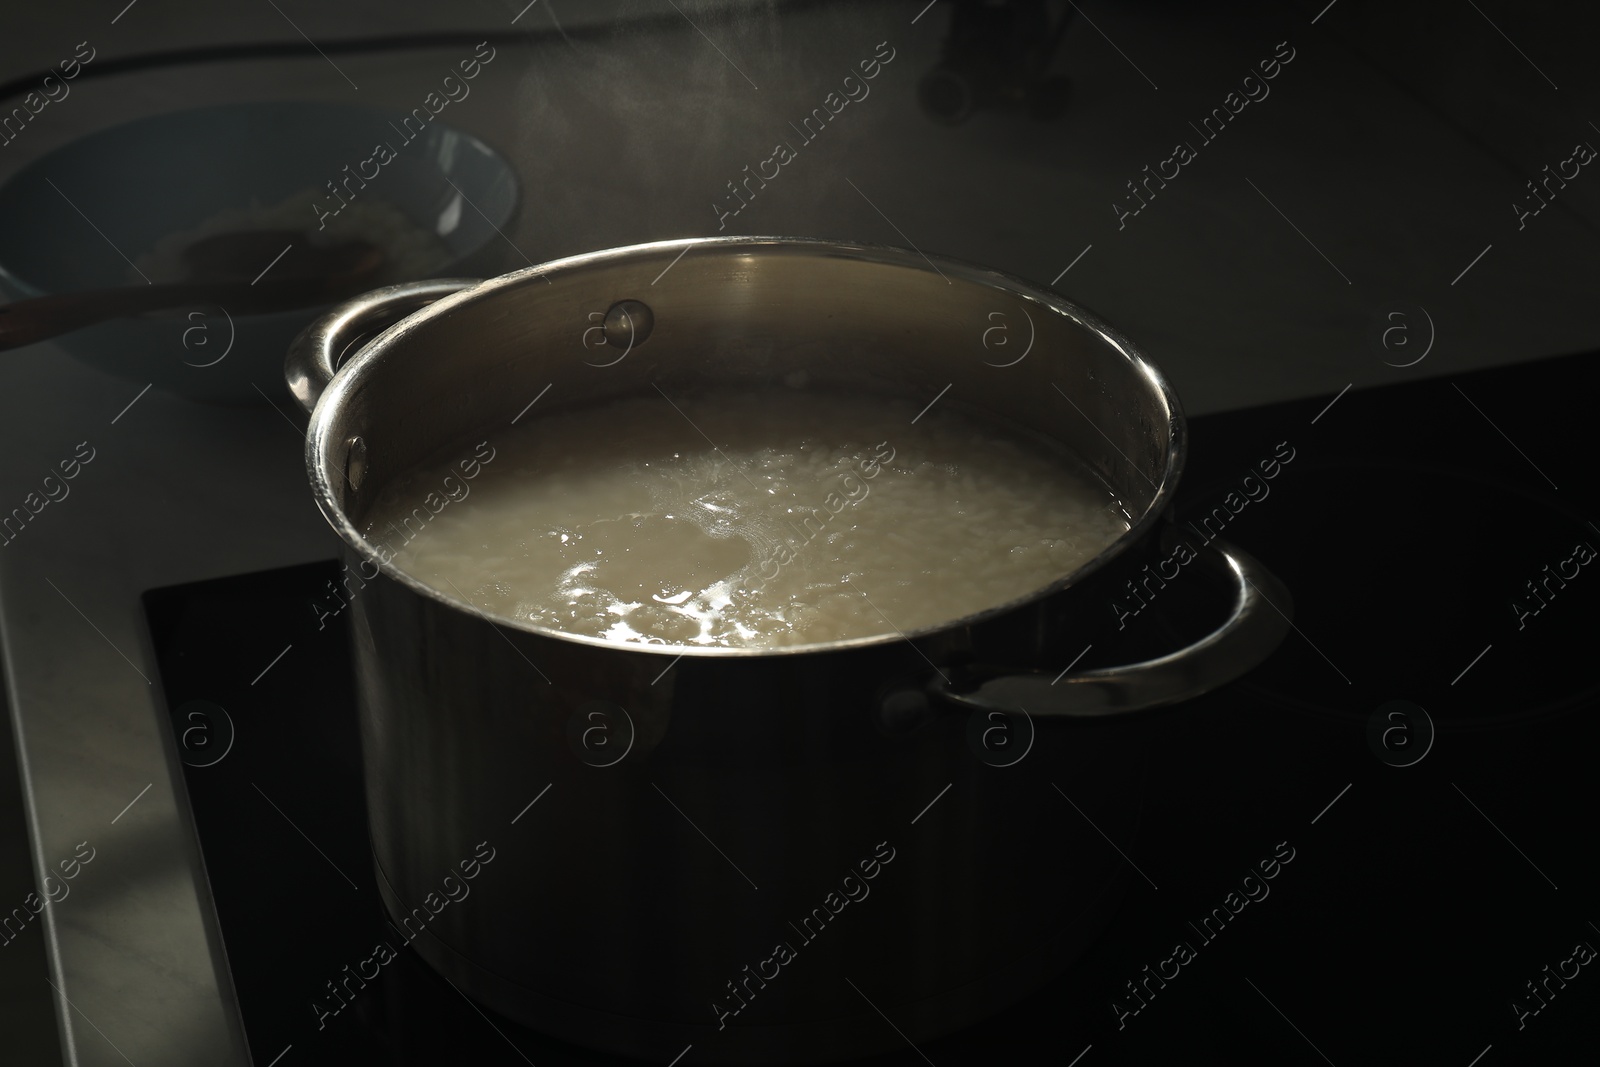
(350, 376)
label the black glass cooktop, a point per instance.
(1374, 848)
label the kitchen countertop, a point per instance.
(632, 140)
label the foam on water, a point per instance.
(815, 517)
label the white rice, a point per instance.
(622, 522)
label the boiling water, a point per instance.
(813, 517)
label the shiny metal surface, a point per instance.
(315, 354)
(1256, 624)
(628, 323)
(618, 927)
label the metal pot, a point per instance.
(767, 856)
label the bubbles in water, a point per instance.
(653, 535)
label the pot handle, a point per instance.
(1260, 619)
(314, 356)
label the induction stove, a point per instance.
(1369, 849)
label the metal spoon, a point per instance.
(233, 269)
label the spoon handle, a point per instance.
(39, 318)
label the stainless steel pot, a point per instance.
(682, 837)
